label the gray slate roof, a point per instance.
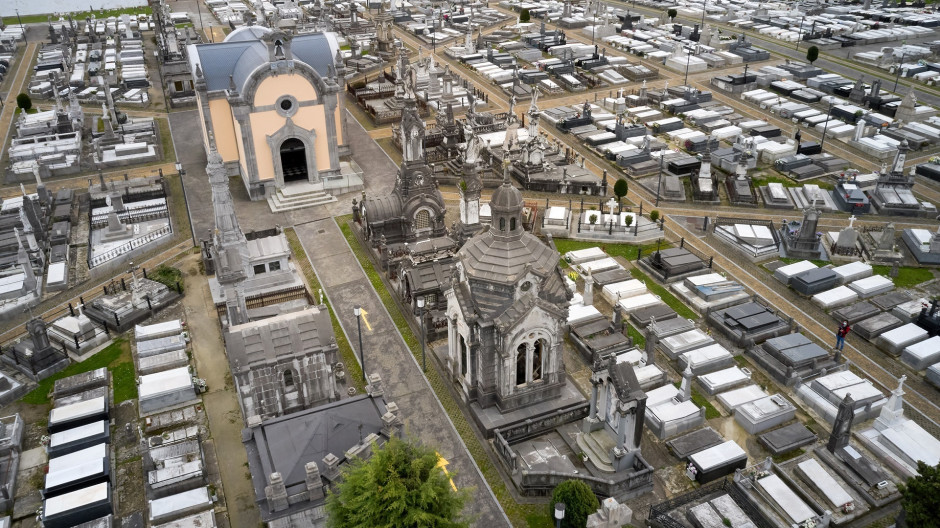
(292, 334)
(243, 52)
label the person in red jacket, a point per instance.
(841, 332)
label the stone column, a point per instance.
(329, 106)
(622, 430)
(313, 481)
(685, 390)
(276, 493)
(592, 414)
(588, 289)
(331, 469)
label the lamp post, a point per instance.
(898, 76)
(688, 59)
(826, 125)
(799, 32)
(362, 357)
(424, 363)
(182, 172)
(660, 184)
(18, 19)
(559, 513)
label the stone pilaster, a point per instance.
(276, 493)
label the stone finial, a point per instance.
(313, 481)
(331, 469)
(254, 421)
(392, 407)
(276, 493)
(375, 388)
(391, 424)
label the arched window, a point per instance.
(537, 359)
(512, 224)
(288, 379)
(464, 357)
(502, 224)
(423, 220)
(521, 356)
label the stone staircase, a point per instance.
(597, 445)
(299, 195)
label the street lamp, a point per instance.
(424, 364)
(799, 32)
(898, 77)
(826, 125)
(559, 513)
(182, 172)
(660, 184)
(21, 25)
(362, 357)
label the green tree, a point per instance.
(524, 15)
(620, 189)
(812, 54)
(672, 14)
(579, 501)
(628, 220)
(920, 497)
(401, 485)
(654, 215)
(23, 101)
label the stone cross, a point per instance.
(610, 205)
(852, 220)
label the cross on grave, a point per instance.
(852, 220)
(610, 205)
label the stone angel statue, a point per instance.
(411, 82)
(473, 149)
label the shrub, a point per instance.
(654, 215)
(24, 102)
(672, 14)
(621, 188)
(579, 501)
(524, 15)
(812, 54)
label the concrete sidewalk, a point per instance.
(347, 286)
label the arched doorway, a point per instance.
(294, 160)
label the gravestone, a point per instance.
(842, 427)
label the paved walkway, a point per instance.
(347, 286)
(16, 87)
(220, 402)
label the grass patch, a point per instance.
(166, 139)
(668, 298)
(125, 382)
(702, 401)
(112, 356)
(907, 276)
(353, 370)
(639, 340)
(530, 515)
(177, 208)
(627, 251)
(77, 15)
(167, 275)
(19, 111)
(788, 456)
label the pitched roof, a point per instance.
(239, 57)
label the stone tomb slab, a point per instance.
(855, 312)
(852, 271)
(671, 327)
(733, 399)
(889, 300)
(787, 438)
(811, 282)
(871, 286)
(910, 310)
(812, 472)
(728, 509)
(657, 312)
(704, 516)
(894, 341)
(678, 261)
(875, 326)
(921, 355)
(835, 297)
(611, 277)
(795, 350)
(685, 445)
